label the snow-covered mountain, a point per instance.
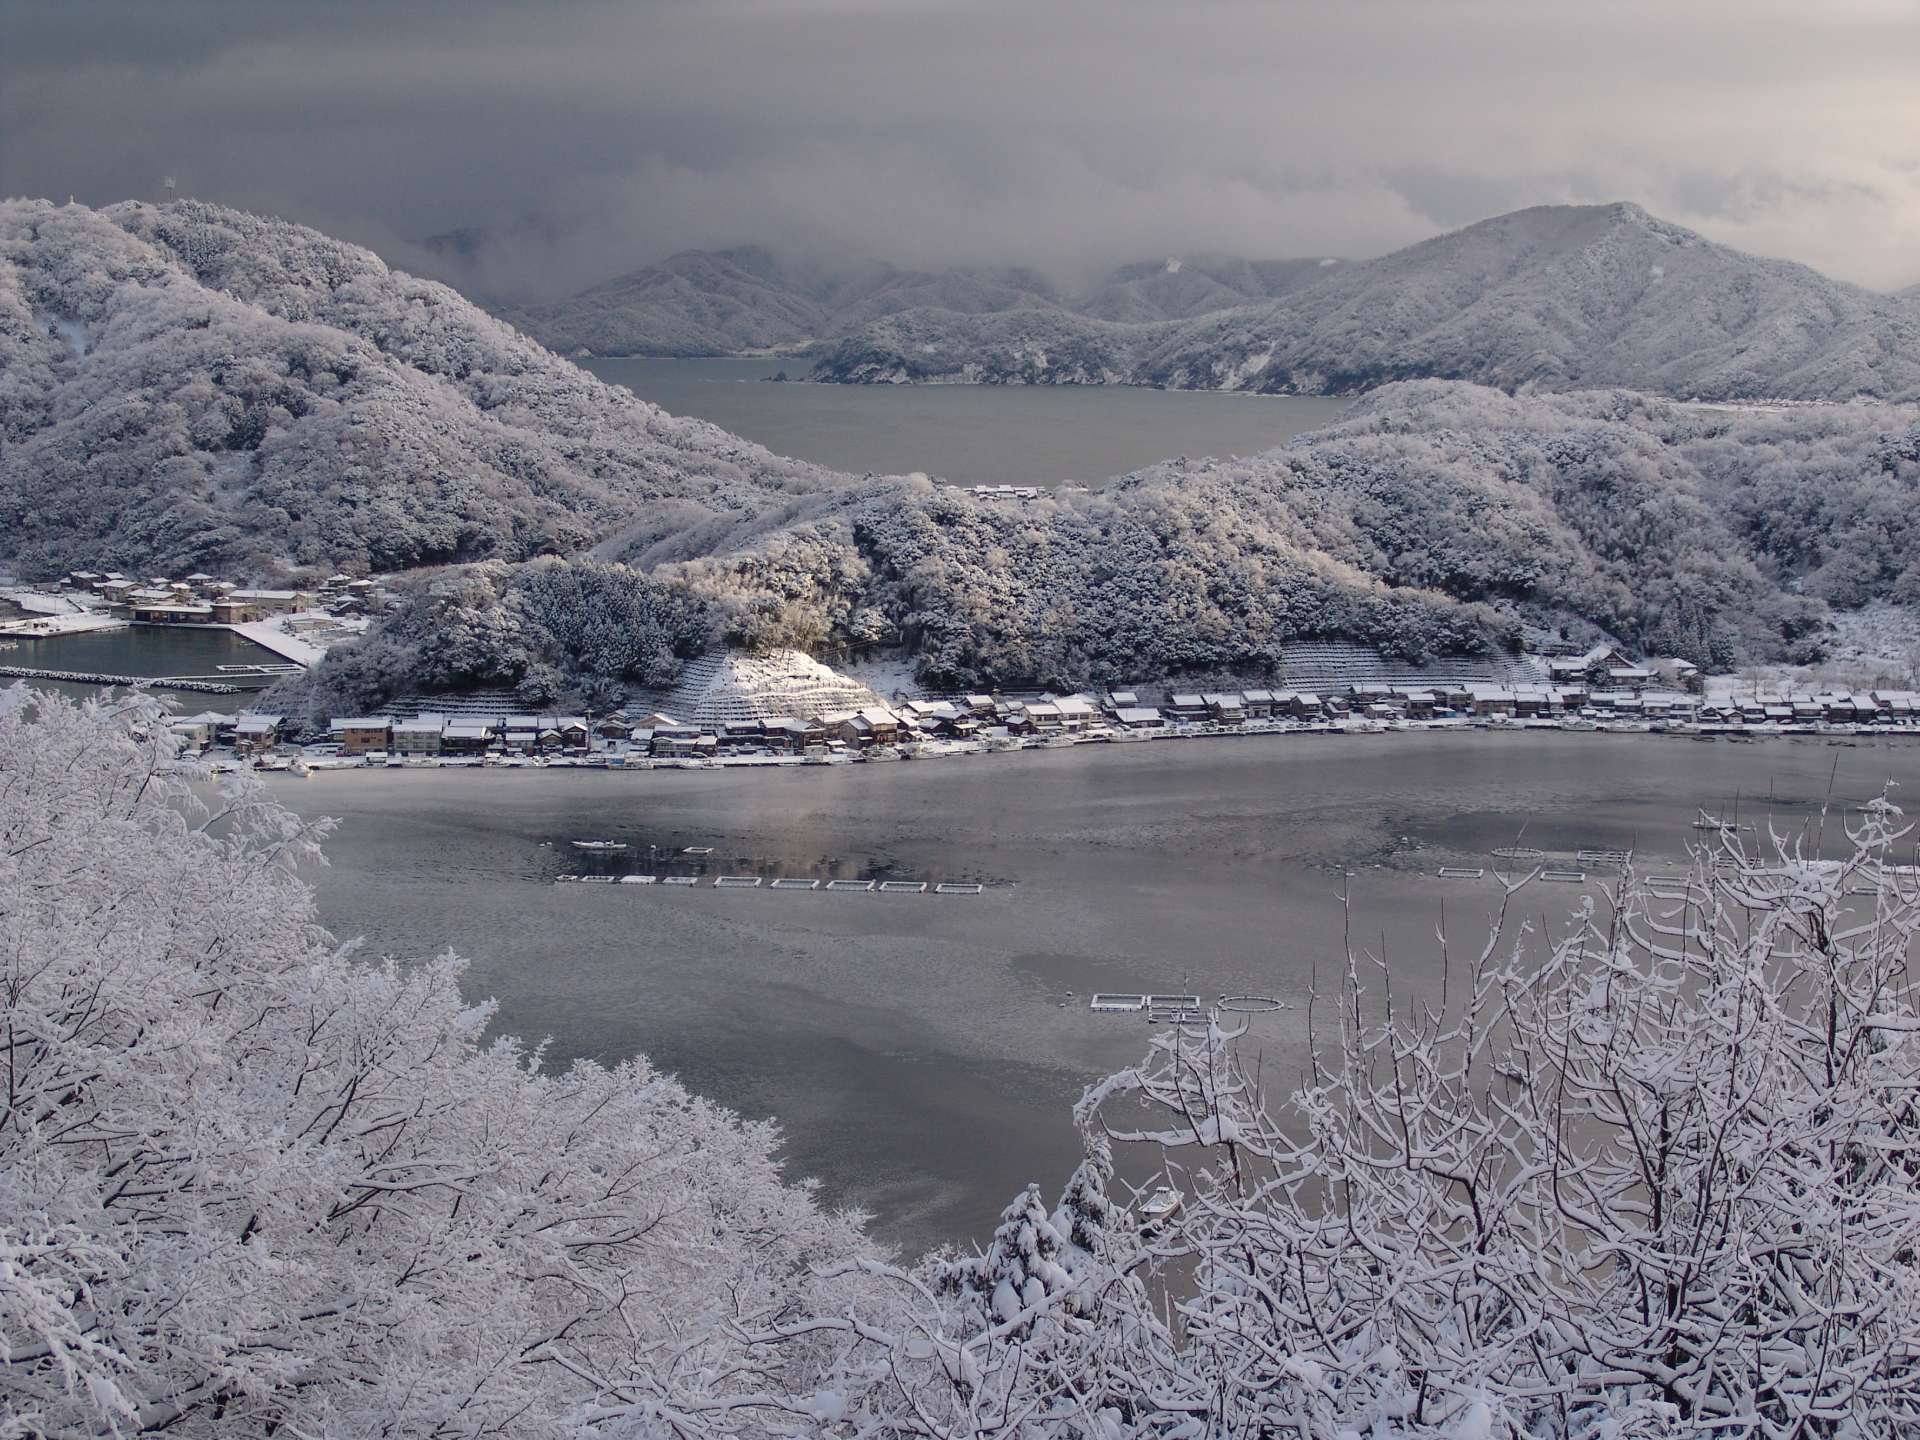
(730, 302)
(695, 303)
(188, 387)
(1559, 297)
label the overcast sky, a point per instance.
(592, 137)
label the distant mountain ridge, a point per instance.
(744, 300)
(1553, 298)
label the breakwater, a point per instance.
(85, 677)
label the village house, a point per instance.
(1258, 704)
(363, 735)
(1139, 717)
(794, 735)
(199, 732)
(874, 725)
(257, 734)
(1681, 674)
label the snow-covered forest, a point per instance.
(1647, 1170)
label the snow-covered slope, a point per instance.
(188, 387)
(1552, 298)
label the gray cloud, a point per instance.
(591, 137)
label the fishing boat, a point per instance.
(599, 844)
(1160, 1206)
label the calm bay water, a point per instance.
(174, 650)
(970, 434)
(922, 1052)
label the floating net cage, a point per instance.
(1519, 852)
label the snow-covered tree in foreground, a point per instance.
(249, 1186)
(1654, 1177)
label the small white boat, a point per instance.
(599, 844)
(1160, 1206)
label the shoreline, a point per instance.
(1840, 735)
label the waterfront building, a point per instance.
(362, 735)
(468, 735)
(422, 735)
(170, 612)
(1224, 708)
(521, 732)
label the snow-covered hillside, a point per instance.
(188, 387)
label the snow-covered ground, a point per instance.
(49, 614)
(303, 638)
(1878, 649)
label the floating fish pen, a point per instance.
(903, 887)
(737, 882)
(1116, 1004)
(1565, 877)
(1602, 859)
(678, 880)
(849, 885)
(698, 850)
(1518, 852)
(1173, 1002)
(1248, 1004)
(1460, 872)
(637, 879)
(597, 879)
(1192, 1016)
(793, 883)
(957, 887)
(1668, 882)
